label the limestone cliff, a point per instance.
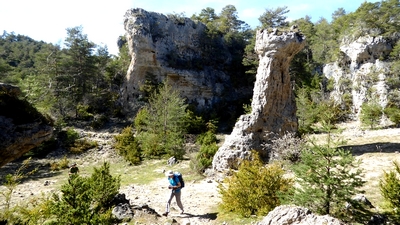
(178, 49)
(21, 126)
(362, 72)
(273, 104)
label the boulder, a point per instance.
(123, 211)
(293, 215)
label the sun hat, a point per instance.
(169, 173)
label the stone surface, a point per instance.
(361, 69)
(177, 48)
(273, 103)
(293, 215)
(123, 211)
(20, 130)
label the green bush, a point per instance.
(127, 146)
(208, 148)
(370, 114)
(254, 188)
(206, 138)
(390, 186)
(196, 124)
(82, 145)
(204, 157)
(68, 137)
(99, 121)
(83, 112)
(86, 200)
(394, 114)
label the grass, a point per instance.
(142, 174)
(234, 219)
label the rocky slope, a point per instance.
(21, 126)
(363, 72)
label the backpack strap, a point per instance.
(176, 179)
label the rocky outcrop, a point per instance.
(361, 72)
(273, 103)
(21, 126)
(178, 49)
(292, 215)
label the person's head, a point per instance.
(169, 173)
(73, 164)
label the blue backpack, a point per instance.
(178, 177)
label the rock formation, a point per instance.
(178, 49)
(21, 126)
(362, 72)
(273, 104)
(290, 215)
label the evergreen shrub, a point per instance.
(254, 188)
(127, 146)
(394, 114)
(370, 114)
(390, 186)
(86, 200)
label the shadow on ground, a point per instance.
(379, 147)
(42, 170)
(211, 216)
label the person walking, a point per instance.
(175, 187)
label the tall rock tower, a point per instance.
(273, 104)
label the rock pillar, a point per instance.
(273, 105)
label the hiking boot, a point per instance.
(165, 214)
(182, 212)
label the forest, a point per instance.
(79, 85)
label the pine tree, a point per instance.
(163, 124)
(86, 200)
(328, 177)
(127, 145)
(390, 186)
(370, 114)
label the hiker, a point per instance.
(73, 169)
(175, 187)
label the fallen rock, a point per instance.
(123, 211)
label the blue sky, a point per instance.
(102, 20)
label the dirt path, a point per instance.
(200, 200)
